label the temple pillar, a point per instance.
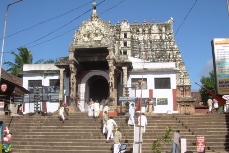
(115, 90)
(61, 92)
(111, 78)
(124, 69)
(73, 85)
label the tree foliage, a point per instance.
(209, 83)
(43, 61)
(23, 57)
(159, 143)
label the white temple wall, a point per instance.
(51, 106)
(157, 93)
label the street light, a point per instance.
(4, 35)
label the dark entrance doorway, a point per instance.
(98, 88)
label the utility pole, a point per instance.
(4, 35)
(228, 6)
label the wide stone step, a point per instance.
(82, 134)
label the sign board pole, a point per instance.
(137, 139)
(183, 145)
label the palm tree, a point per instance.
(23, 57)
(43, 61)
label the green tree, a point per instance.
(43, 61)
(161, 142)
(209, 83)
(23, 57)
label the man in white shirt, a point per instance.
(131, 114)
(142, 121)
(90, 107)
(210, 102)
(96, 110)
(106, 109)
(110, 128)
(105, 119)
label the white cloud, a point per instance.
(207, 68)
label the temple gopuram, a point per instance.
(108, 62)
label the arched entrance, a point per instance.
(93, 80)
(98, 88)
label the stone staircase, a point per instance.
(37, 134)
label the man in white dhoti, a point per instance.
(101, 106)
(80, 107)
(61, 111)
(110, 127)
(131, 114)
(117, 139)
(142, 121)
(90, 107)
(96, 110)
(105, 119)
(106, 109)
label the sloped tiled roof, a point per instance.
(13, 80)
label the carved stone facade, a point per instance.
(99, 41)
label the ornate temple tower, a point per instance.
(103, 50)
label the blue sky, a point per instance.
(47, 27)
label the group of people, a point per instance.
(142, 120)
(109, 124)
(94, 108)
(212, 105)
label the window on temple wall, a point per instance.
(125, 35)
(124, 52)
(125, 44)
(34, 83)
(162, 83)
(54, 86)
(137, 83)
(54, 82)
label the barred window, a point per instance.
(162, 83)
(54, 82)
(34, 83)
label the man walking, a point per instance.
(106, 109)
(90, 107)
(210, 103)
(142, 121)
(110, 128)
(117, 139)
(61, 111)
(96, 110)
(131, 114)
(105, 119)
(176, 142)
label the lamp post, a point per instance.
(4, 35)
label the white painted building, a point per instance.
(42, 75)
(45, 74)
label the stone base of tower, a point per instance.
(72, 109)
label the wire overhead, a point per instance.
(48, 20)
(74, 28)
(64, 26)
(186, 17)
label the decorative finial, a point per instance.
(94, 15)
(94, 5)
